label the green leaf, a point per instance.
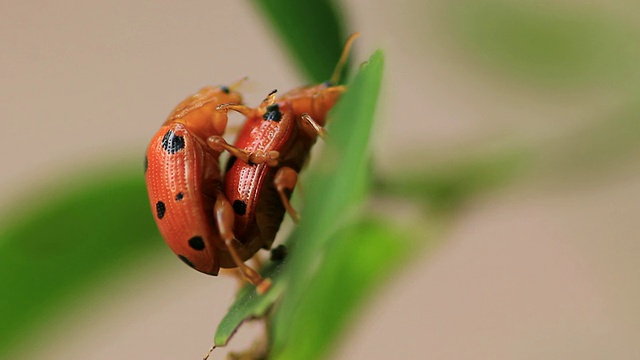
(359, 259)
(249, 305)
(340, 177)
(312, 30)
(335, 189)
(62, 244)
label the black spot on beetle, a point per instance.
(172, 143)
(196, 243)
(185, 260)
(278, 253)
(240, 207)
(273, 113)
(179, 196)
(160, 209)
(224, 89)
(230, 162)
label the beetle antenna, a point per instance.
(238, 83)
(343, 58)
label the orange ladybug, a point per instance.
(184, 184)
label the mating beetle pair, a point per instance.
(212, 220)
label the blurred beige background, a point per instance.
(545, 269)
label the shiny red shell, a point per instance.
(248, 186)
(183, 177)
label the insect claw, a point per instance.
(263, 286)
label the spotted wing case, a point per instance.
(184, 182)
(258, 208)
(177, 184)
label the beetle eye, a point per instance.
(224, 89)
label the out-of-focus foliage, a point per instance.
(445, 187)
(312, 30)
(356, 260)
(48, 254)
(544, 42)
(596, 147)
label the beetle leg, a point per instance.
(218, 143)
(242, 109)
(285, 180)
(224, 219)
(238, 83)
(319, 130)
